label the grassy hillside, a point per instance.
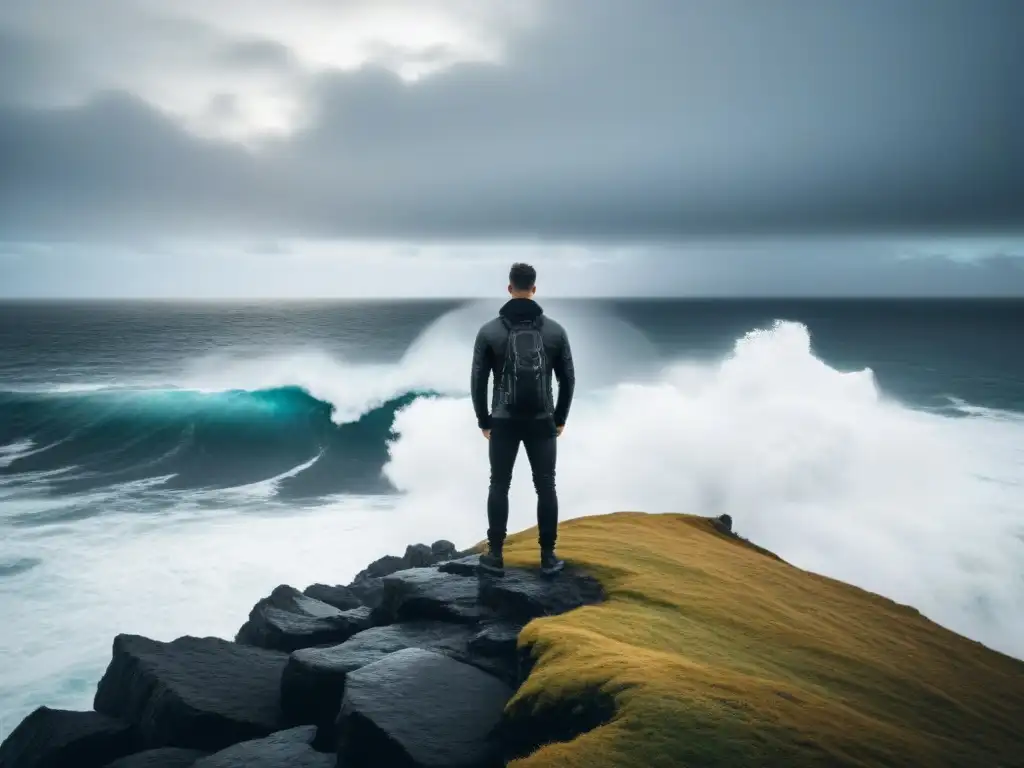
(717, 654)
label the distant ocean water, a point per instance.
(163, 466)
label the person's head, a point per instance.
(522, 281)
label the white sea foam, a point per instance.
(437, 361)
(265, 489)
(811, 462)
(12, 451)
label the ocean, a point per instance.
(164, 465)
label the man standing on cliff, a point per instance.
(522, 347)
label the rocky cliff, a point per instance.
(667, 641)
(412, 664)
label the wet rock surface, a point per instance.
(314, 679)
(313, 682)
(421, 708)
(429, 594)
(162, 757)
(411, 664)
(196, 692)
(342, 598)
(59, 738)
(443, 550)
(525, 595)
(368, 584)
(496, 639)
(288, 620)
(286, 749)
(461, 566)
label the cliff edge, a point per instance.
(667, 641)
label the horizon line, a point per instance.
(540, 299)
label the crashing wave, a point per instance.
(201, 439)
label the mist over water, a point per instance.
(166, 504)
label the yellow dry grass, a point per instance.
(721, 655)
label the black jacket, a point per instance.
(489, 357)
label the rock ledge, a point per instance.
(410, 665)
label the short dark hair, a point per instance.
(522, 276)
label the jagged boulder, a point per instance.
(162, 757)
(421, 709)
(368, 584)
(61, 738)
(288, 620)
(200, 693)
(443, 550)
(342, 598)
(369, 590)
(722, 523)
(286, 749)
(426, 687)
(429, 594)
(383, 566)
(313, 682)
(522, 595)
(461, 566)
(415, 556)
(418, 556)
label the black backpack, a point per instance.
(524, 378)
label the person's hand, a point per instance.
(487, 434)
(558, 430)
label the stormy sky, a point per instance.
(260, 147)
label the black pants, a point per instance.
(541, 441)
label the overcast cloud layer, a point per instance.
(574, 119)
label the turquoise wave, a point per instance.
(85, 440)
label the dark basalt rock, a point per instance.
(369, 589)
(463, 566)
(61, 738)
(418, 556)
(313, 682)
(342, 598)
(427, 687)
(285, 749)
(384, 566)
(421, 709)
(428, 594)
(443, 549)
(522, 595)
(288, 620)
(497, 639)
(164, 757)
(368, 584)
(199, 693)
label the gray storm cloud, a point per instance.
(655, 120)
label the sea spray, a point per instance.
(218, 483)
